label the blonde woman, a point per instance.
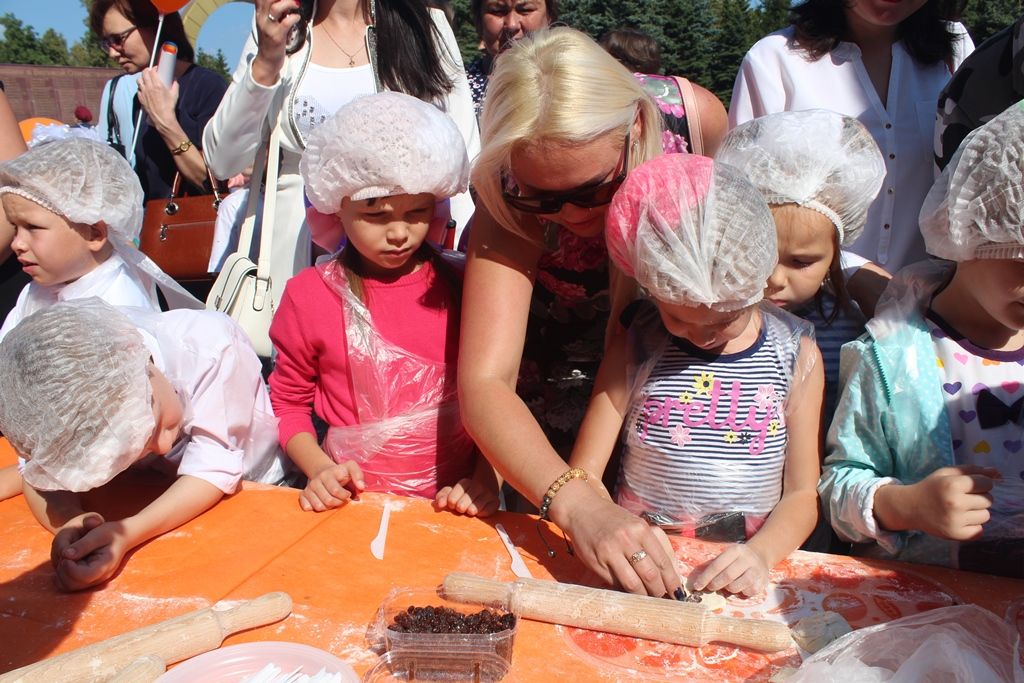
(563, 123)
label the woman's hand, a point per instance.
(617, 545)
(332, 487)
(157, 100)
(274, 19)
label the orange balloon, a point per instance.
(29, 125)
(168, 6)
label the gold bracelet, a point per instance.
(556, 486)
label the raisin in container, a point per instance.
(483, 657)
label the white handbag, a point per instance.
(243, 289)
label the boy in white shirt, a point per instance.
(76, 206)
(89, 390)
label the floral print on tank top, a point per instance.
(565, 335)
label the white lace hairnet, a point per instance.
(693, 232)
(381, 145)
(76, 394)
(975, 210)
(817, 159)
(83, 180)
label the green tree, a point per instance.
(53, 48)
(984, 18)
(215, 63)
(737, 31)
(20, 44)
(689, 39)
(465, 31)
(772, 15)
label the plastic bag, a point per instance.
(410, 439)
(704, 456)
(964, 643)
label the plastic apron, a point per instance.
(409, 439)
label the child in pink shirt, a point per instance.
(368, 339)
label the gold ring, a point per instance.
(637, 556)
(271, 18)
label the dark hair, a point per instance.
(410, 50)
(476, 10)
(637, 51)
(821, 25)
(144, 15)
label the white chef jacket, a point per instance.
(775, 77)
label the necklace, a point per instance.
(351, 55)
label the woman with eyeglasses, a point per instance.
(169, 140)
(562, 125)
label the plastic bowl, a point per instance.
(235, 662)
(449, 646)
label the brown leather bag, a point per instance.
(177, 233)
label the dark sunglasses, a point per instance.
(116, 39)
(587, 198)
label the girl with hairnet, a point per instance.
(368, 339)
(720, 394)
(924, 453)
(76, 206)
(819, 171)
(89, 390)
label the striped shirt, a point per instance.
(847, 326)
(706, 433)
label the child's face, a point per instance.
(704, 327)
(387, 231)
(51, 249)
(998, 287)
(806, 249)
(167, 412)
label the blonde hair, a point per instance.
(556, 85)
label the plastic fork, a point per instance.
(377, 544)
(519, 567)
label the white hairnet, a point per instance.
(693, 232)
(83, 180)
(382, 145)
(817, 159)
(76, 394)
(975, 210)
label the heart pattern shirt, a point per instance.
(984, 392)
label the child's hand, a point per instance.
(951, 502)
(87, 551)
(739, 569)
(468, 497)
(332, 487)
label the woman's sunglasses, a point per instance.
(116, 39)
(587, 198)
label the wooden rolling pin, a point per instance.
(597, 609)
(171, 641)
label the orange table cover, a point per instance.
(259, 541)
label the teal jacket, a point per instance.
(891, 424)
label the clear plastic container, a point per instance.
(460, 652)
(400, 665)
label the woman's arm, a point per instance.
(11, 145)
(495, 307)
(160, 104)
(235, 133)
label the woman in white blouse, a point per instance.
(882, 62)
(295, 75)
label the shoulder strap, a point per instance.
(113, 131)
(692, 115)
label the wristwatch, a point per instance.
(185, 146)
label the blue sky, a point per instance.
(226, 29)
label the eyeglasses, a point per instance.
(116, 39)
(587, 198)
